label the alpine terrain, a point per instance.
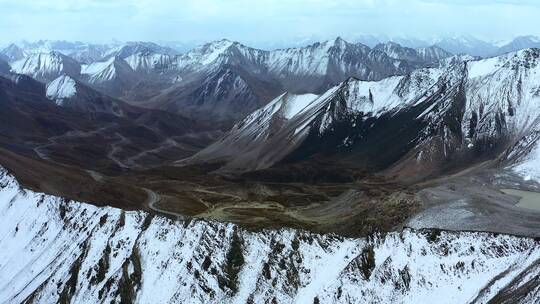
(372, 169)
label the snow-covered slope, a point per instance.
(47, 66)
(68, 92)
(432, 54)
(55, 250)
(114, 76)
(61, 88)
(103, 71)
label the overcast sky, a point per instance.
(262, 20)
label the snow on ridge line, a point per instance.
(49, 243)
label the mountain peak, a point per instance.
(47, 65)
(337, 42)
(13, 53)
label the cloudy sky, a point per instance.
(263, 20)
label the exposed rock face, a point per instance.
(55, 250)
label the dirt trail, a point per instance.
(154, 198)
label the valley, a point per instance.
(327, 173)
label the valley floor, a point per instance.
(479, 201)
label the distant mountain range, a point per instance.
(457, 44)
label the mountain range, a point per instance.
(334, 172)
(436, 116)
(225, 79)
(216, 75)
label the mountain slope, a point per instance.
(5, 68)
(428, 121)
(13, 53)
(68, 92)
(267, 136)
(89, 129)
(222, 95)
(57, 250)
(114, 76)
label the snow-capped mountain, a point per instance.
(372, 40)
(149, 61)
(13, 53)
(47, 66)
(432, 54)
(131, 48)
(114, 76)
(321, 62)
(81, 51)
(217, 53)
(322, 65)
(461, 111)
(70, 93)
(466, 45)
(56, 250)
(519, 43)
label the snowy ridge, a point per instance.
(333, 57)
(432, 54)
(148, 61)
(81, 51)
(136, 47)
(56, 250)
(104, 71)
(61, 88)
(47, 66)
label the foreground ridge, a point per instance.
(54, 250)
